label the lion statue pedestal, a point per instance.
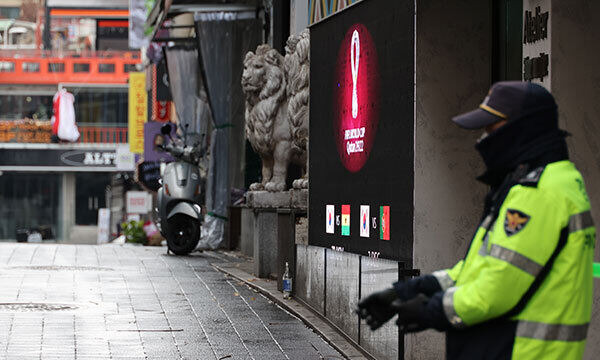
(277, 93)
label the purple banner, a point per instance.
(153, 137)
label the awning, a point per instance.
(166, 9)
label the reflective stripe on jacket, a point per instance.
(504, 262)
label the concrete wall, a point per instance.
(376, 275)
(333, 282)
(575, 49)
(310, 279)
(453, 75)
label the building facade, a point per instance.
(57, 188)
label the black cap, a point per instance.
(510, 101)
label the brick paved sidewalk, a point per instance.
(130, 302)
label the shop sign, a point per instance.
(51, 158)
(537, 25)
(138, 111)
(25, 131)
(89, 158)
(535, 68)
(163, 111)
(138, 202)
(125, 160)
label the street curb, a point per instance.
(269, 289)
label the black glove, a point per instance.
(422, 313)
(377, 308)
(412, 314)
(426, 284)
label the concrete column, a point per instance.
(265, 243)
(573, 45)
(298, 16)
(67, 206)
(453, 72)
(247, 232)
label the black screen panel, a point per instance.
(361, 130)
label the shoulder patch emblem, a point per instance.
(533, 177)
(515, 221)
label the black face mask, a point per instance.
(535, 140)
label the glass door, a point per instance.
(90, 195)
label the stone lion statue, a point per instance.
(268, 125)
(297, 69)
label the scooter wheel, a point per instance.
(183, 234)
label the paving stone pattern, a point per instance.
(133, 302)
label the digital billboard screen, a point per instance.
(361, 130)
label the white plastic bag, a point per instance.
(67, 129)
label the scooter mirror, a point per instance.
(166, 129)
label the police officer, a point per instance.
(524, 288)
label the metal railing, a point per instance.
(102, 134)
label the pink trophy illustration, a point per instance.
(354, 59)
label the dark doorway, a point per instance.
(90, 195)
(507, 40)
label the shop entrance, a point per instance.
(90, 195)
(29, 202)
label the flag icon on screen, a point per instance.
(346, 220)
(330, 219)
(384, 221)
(364, 220)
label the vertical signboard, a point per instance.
(361, 130)
(138, 111)
(103, 226)
(536, 41)
(138, 202)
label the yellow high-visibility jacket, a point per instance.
(524, 290)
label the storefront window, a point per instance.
(29, 202)
(17, 107)
(100, 106)
(9, 12)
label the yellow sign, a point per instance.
(138, 111)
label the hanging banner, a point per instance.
(138, 111)
(139, 33)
